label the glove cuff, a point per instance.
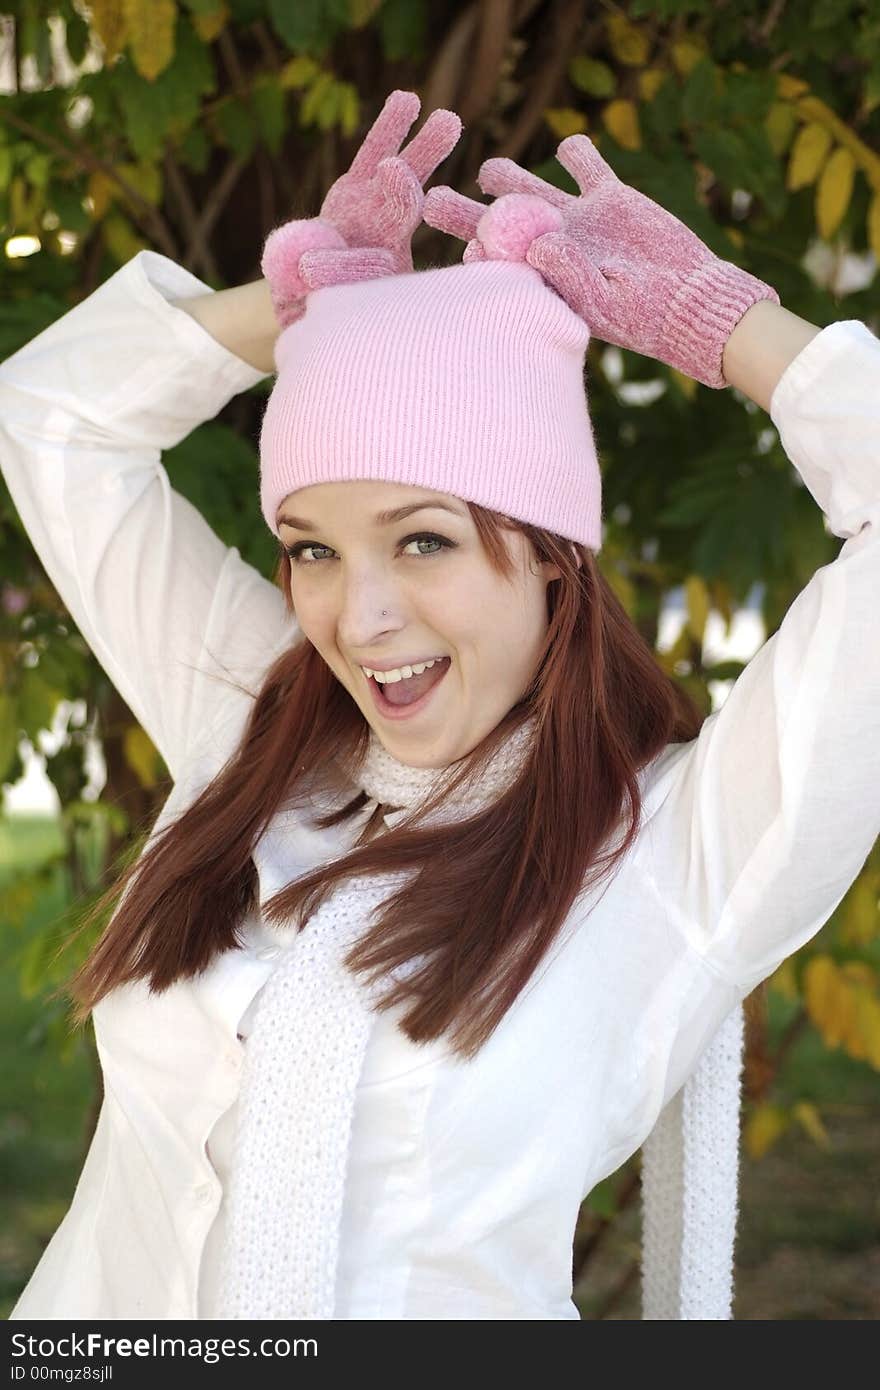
(703, 313)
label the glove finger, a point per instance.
(579, 156)
(386, 133)
(498, 176)
(450, 211)
(474, 251)
(321, 268)
(572, 273)
(433, 143)
(401, 201)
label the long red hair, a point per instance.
(489, 893)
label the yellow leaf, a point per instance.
(299, 72)
(565, 120)
(722, 598)
(810, 1120)
(868, 1024)
(349, 108)
(687, 385)
(151, 26)
(141, 755)
(25, 206)
(874, 225)
(629, 42)
(121, 239)
(698, 605)
(834, 192)
(208, 26)
(650, 81)
(143, 177)
(861, 911)
(686, 54)
(621, 120)
(859, 973)
(789, 86)
(780, 124)
(808, 154)
(764, 1126)
(823, 991)
(101, 190)
(360, 12)
(784, 979)
(624, 589)
(311, 103)
(111, 26)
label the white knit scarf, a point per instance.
(300, 1074)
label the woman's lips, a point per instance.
(389, 711)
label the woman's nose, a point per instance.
(366, 611)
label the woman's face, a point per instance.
(442, 598)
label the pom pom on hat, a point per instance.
(510, 225)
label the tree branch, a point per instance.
(219, 196)
(148, 217)
(564, 28)
(495, 22)
(198, 252)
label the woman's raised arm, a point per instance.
(86, 409)
(241, 319)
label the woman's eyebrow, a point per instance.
(299, 523)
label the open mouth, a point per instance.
(409, 696)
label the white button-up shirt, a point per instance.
(465, 1178)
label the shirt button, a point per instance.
(269, 953)
(204, 1194)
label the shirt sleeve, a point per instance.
(774, 807)
(86, 409)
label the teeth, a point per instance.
(400, 673)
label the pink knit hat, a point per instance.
(466, 379)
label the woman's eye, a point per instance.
(297, 553)
(432, 540)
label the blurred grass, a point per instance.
(808, 1246)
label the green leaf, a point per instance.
(402, 25)
(37, 167)
(246, 11)
(195, 149)
(76, 38)
(593, 77)
(700, 101)
(748, 95)
(602, 1200)
(269, 107)
(237, 127)
(726, 155)
(308, 26)
(8, 733)
(38, 701)
(66, 203)
(153, 110)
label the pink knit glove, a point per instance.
(368, 217)
(636, 275)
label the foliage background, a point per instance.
(194, 126)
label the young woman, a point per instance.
(387, 993)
